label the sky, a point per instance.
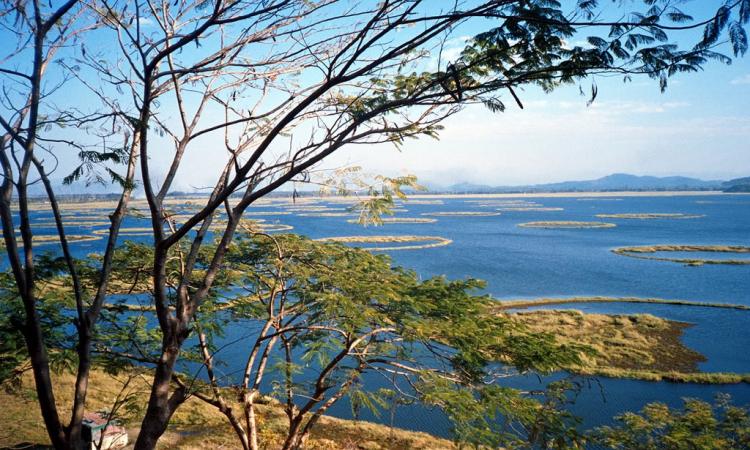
(700, 127)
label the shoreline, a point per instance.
(516, 303)
(430, 196)
(582, 194)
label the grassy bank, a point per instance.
(638, 346)
(672, 376)
(520, 304)
(629, 342)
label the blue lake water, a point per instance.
(529, 263)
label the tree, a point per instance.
(696, 425)
(336, 73)
(330, 314)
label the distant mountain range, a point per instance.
(736, 185)
(614, 182)
(610, 183)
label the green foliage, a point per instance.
(379, 193)
(337, 307)
(380, 202)
(494, 416)
(433, 334)
(55, 307)
(531, 45)
(697, 425)
(345, 312)
(94, 162)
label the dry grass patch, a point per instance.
(72, 223)
(196, 425)
(630, 342)
(423, 202)
(646, 252)
(327, 214)
(128, 231)
(386, 220)
(46, 239)
(648, 216)
(461, 213)
(519, 304)
(566, 224)
(266, 213)
(432, 241)
(531, 208)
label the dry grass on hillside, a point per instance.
(196, 425)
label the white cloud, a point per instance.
(636, 107)
(556, 141)
(745, 79)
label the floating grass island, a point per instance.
(128, 231)
(266, 213)
(629, 342)
(71, 223)
(639, 346)
(491, 204)
(565, 224)
(423, 202)
(310, 208)
(254, 225)
(530, 208)
(647, 216)
(326, 214)
(504, 202)
(273, 227)
(461, 213)
(647, 251)
(46, 239)
(520, 304)
(385, 220)
(431, 241)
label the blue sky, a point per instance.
(700, 127)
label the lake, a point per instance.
(527, 263)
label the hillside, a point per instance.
(613, 182)
(736, 185)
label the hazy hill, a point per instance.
(614, 182)
(736, 185)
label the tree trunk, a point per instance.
(82, 382)
(42, 380)
(251, 420)
(161, 405)
(294, 437)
